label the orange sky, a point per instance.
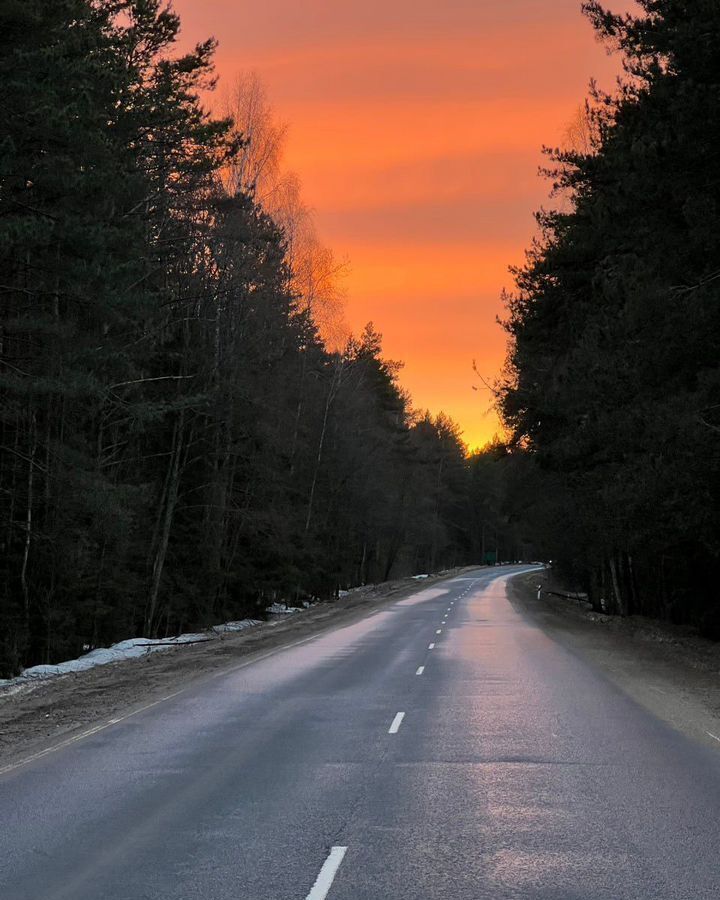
(416, 128)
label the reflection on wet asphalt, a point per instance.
(510, 769)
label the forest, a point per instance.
(611, 393)
(188, 432)
(184, 438)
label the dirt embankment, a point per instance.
(41, 713)
(669, 670)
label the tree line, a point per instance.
(183, 437)
(612, 389)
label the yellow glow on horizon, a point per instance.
(416, 129)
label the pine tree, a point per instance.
(613, 376)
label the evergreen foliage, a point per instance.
(612, 391)
(177, 445)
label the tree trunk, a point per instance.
(166, 526)
(334, 384)
(620, 605)
(28, 520)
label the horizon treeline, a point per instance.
(612, 390)
(178, 446)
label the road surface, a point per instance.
(443, 748)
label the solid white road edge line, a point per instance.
(713, 736)
(90, 731)
(84, 734)
(396, 723)
(327, 874)
(223, 672)
(420, 670)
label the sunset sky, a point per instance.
(416, 128)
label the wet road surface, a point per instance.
(443, 748)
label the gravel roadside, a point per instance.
(669, 670)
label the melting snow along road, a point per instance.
(442, 749)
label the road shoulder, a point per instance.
(44, 713)
(668, 670)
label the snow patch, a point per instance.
(133, 648)
(279, 609)
(233, 626)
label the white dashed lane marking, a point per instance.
(324, 881)
(396, 723)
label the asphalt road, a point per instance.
(516, 771)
